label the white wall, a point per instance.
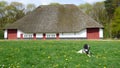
(25, 35)
(5, 34)
(19, 33)
(39, 35)
(101, 33)
(81, 34)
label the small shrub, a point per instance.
(1, 34)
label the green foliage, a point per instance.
(116, 23)
(30, 8)
(103, 12)
(17, 5)
(58, 54)
(1, 34)
(9, 13)
(54, 4)
(111, 6)
(87, 8)
(3, 4)
(98, 12)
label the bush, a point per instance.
(1, 34)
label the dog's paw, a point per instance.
(88, 55)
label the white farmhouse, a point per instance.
(55, 22)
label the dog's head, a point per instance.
(86, 46)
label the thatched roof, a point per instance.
(55, 18)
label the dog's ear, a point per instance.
(85, 46)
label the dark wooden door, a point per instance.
(12, 33)
(93, 33)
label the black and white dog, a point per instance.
(86, 50)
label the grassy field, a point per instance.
(58, 54)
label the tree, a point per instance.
(110, 6)
(98, 12)
(30, 8)
(9, 13)
(18, 10)
(100, 15)
(54, 4)
(116, 23)
(17, 5)
(14, 11)
(87, 8)
(3, 4)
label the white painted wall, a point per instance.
(19, 33)
(81, 34)
(25, 35)
(5, 34)
(39, 35)
(101, 33)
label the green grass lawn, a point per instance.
(58, 54)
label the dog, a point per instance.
(85, 50)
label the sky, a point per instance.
(45, 2)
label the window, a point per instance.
(28, 36)
(51, 35)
